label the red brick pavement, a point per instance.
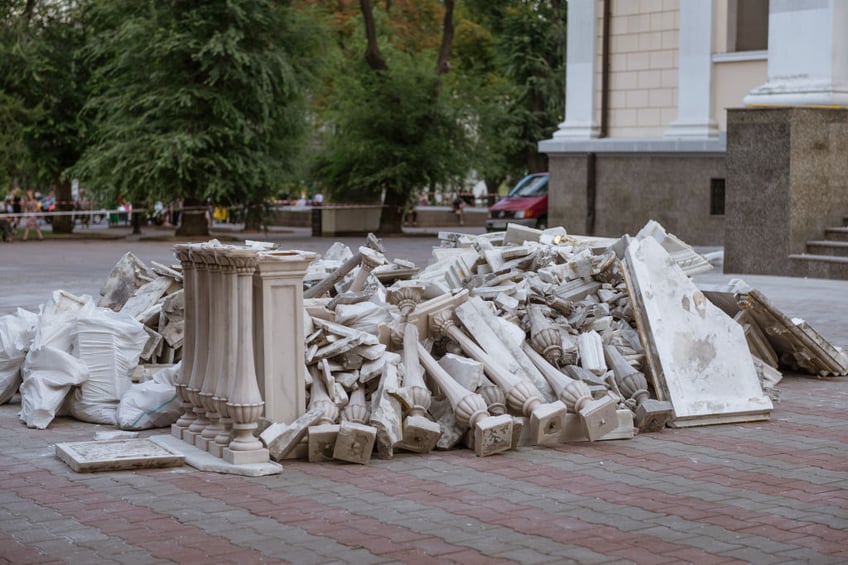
(761, 492)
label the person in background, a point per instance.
(30, 207)
(458, 205)
(83, 204)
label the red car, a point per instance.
(526, 204)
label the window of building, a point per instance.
(747, 25)
(717, 197)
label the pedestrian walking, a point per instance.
(30, 209)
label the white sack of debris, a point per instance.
(16, 333)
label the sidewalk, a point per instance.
(765, 492)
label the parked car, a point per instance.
(526, 204)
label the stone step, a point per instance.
(838, 234)
(828, 247)
(818, 266)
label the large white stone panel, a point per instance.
(698, 356)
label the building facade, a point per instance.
(648, 86)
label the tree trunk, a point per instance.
(391, 217)
(137, 217)
(64, 203)
(253, 217)
(194, 219)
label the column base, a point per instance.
(246, 457)
(190, 437)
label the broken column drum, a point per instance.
(492, 434)
(650, 415)
(325, 285)
(544, 336)
(598, 416)
(183, 254)
(420, 433)
(370, 260)
(546, 420)
(244, 401)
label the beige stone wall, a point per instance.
(643, 67)
(732, 81)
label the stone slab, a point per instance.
(203, 461)
(117, 455)
(697, 355)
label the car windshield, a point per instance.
(531, 186)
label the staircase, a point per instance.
(826, 258)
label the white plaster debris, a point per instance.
(586, 294)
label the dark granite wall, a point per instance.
(787, 180)
(632, 188)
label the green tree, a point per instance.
(42, 89)
(391, 124)
(196, 100)
(513, 53)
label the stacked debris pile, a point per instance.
(517, 338)
(77, 358)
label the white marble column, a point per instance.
(183, 254)
(807, 55)
(580, 72)
(229, 360)
(244, 403)
(198, 371)
(214, 351)
(278, 332)
(694, 82)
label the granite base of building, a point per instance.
(787, 183)
(612, 188)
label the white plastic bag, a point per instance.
(48, 375)
(49, 370)
(109, 344)
(151, 404)
(16, 334)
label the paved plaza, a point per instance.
(765, 492)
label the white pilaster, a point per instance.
(580, 72)
(694, 82)
(278, 335)
(808, 55)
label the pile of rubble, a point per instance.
(516, 338)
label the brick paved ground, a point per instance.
(766, 492)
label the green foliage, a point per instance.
(195, 99)
(390, 131)
(42, 88)
(512, 54)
